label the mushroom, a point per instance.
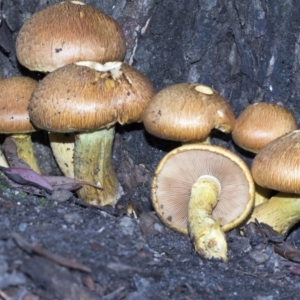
(261, 123)
(78, 32)
(203, 190)
(14, 98)
(276, 167)
(88, 98)
(67, 32)
(258, 125)
(187, 112)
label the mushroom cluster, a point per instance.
(87, 90)
(198, 189)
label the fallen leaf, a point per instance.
(27, 177)
(11, 154)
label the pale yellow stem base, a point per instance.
(206, 233)
(92, 163)
(3, 161)
(62, 145)
(25, 150)
(261, 194)
(281, 212)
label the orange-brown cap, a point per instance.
(67, 32)
(15, 93)
(180, 168)
(88, 96)
(277, 165)
(187, 112)
(261, 123)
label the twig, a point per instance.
(29, 248)
(4, 296)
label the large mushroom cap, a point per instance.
(79, 98)
(261, 123)
(15, 93)
(180, 168)
(187, 112)
(277, 165)
(67, 32)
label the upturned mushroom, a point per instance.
(276, 167)
(187, 112)
(203, 190)
(67, 32)
(88, 98)
(15, 93)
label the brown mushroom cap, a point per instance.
(277, 165)
(80, 98)
(67, 32)
(15, 93)
(187, 112)
(261, 123)
(180, 168)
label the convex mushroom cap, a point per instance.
(67, 32)
(203, 190)
(277, 165)
(87, 96)
(187, 112)
(15, 93)
(261, 123)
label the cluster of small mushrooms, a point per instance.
(198, 189)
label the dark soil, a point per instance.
(56, 247)
(122, 257)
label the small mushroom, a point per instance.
(203, 190)
(258, 125)
(261, 123)
(187, 112)
(88, 98)
(276, 167)
(14, 98)
(67, 32)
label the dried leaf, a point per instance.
(295, 270)
(11, 154)
(27, 177)
(287, 251)
(71, 184)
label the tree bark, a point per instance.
(247, 50)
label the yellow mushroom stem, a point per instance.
(3, 161)
(281, 212)
(62, 145)
(25, 150)
(207, 235)
(93, 163)
(261, 194)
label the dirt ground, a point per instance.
(56, 247)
